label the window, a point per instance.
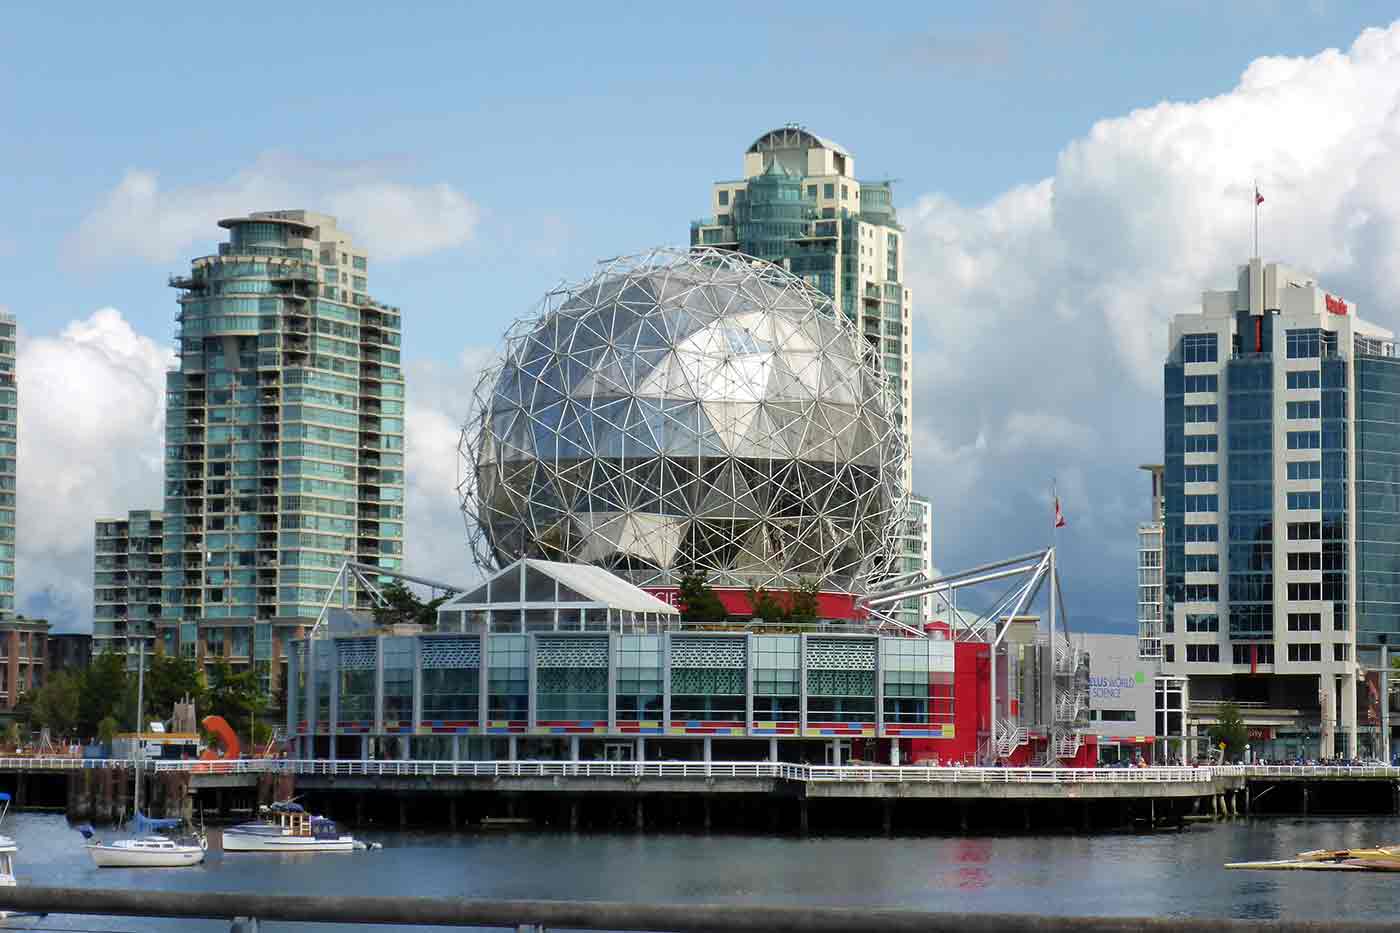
(724, 199)
(1200, 533)
(1304, 531)
(812, 191)
(1199, 414)
(1203, 654)
(1202, 563)
(845, 192)
(1301, 592)
(1303, 344)
(1305, 653)
(1304, 440)
(1207, 383)
(1198, 348)
(1202, 623)
(1204, 503)
(1305, 621)
(1304, 379)
(1340, 652)
(1201, 593)
(1305, 469)
(1304, 500)
(1312, 409)
(1307, 560)
(1257, 653)
(828, 191)
(1117, 715)
(1169, 653)
(1202, 443)
(1202, 473)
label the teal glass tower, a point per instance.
(284, 437)
(9, 438)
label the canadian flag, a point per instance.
(1258, 198)
(1059, 516)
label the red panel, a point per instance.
(830, 605)
(971, 698)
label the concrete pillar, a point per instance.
(773, 748)
(835, 751)
(360, 809)
(887, 816)
(573, 816)
(1349, 723)
(641, 821)
(512, 745)
(1215, 806)
(1152, 814)
(364, 748)
(1305, 800)
(573, 748)
(405, 747)
(708, 754)
(1327, 696)
(456, 748)
(641, 748)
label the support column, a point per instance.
(1349, 723)
(1305, 800)
(641, 748)
(364, 748)
(511, 744)
(456, 747)
(573, 748)
(1384, 744)
(708, 747)
(641, 822)
(573, 815)
(405, 747)
(707, 802)
(1327, 696)
(773, 749)
(887, 816)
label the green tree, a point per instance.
(803, 601)
(235, 695)
(58, 702)
(169, 679)
(103, 691)
(770, 605)
(1229, 730)
(107, 730)
(698, 602)
(404, 606)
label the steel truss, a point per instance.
(355, 574)
(1028, 575)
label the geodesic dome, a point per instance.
(686, 411)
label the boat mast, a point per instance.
(140, 713)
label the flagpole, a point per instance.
(1256, 218)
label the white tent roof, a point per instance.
(592, 583)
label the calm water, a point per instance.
(1166, 874)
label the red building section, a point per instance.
(830, 605)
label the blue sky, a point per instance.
(590, 130)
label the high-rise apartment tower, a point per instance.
(9, 440)
(1282, 516)
(284, 435)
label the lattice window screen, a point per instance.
(451, 653)
(571, 652)
(839, 654)
(358, 655)
(707, 652)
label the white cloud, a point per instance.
(91, 413)
(1042, 314)
(140, 219)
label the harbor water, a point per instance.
(1162, 874)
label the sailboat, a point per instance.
(152, 850)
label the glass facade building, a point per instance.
(1281, 528)
(9, 441)
(126, 583)
(284, 436)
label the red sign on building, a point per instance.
(1336, 305)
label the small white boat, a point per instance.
(287, 827)
(146, 852)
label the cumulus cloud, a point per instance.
(439, 396)
(1042, 313)
(91, 414)
(140, 219)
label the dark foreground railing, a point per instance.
(602, 915)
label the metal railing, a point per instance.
(542, 915)
(766, 770)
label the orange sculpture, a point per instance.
(225, 737)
